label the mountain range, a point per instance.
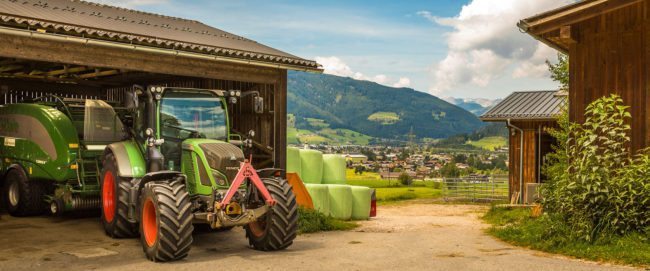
(317, 101)
(477, 106)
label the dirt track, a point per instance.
(412, 236)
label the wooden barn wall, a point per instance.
(15, 91)
(609, 56)
(531, 130)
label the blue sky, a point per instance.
(469, 49)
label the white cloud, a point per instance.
(130, 3)
(486, 44)
(403, 82)
(335, 66)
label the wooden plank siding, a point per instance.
(532, 157)
(610, 55)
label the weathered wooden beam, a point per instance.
(120, 58)
(580, 12)
(66, 70)
(98, 73)
(566, 35)
(10, 68)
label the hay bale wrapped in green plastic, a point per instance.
(320, 197)
(333, 169)
(293, 161)
(361, 197)
(340, 201)
(311, 167)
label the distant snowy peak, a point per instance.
(477, 106)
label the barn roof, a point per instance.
(530, 105)
(103, 22)
(553, 27)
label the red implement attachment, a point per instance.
(246, 171)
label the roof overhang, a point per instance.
(553, 27)
(44, 35)
(82, 21)
(531, 119)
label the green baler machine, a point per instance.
(154, 168)
(50, 156)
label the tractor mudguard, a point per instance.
(130, 162)
(271, 172)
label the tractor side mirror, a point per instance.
(259, 104)
(131, 100)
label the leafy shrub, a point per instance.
(594, 184)
(405, 179)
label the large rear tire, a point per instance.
(277, 229)
(115, 201)
(23, 197)
(166, 221)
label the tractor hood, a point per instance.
(222, 156)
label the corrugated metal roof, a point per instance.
(532, 105)
(114, 23)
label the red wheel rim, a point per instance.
(108, 197)
(257, 228)
(149, 223)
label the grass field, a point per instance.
(393, 190)
(325, 135)
(385, 118)
(516, 226)
(489, 143)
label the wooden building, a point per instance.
(527, 115)
(85, 50)
(608, 44)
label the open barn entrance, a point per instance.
(22, 80)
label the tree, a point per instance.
(560, 71)
(359, 170)
(449, 170)
(405, 179)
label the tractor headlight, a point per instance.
(232, 93)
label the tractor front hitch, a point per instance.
(247, 172)
(220, 216)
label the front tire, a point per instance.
(276, 229)
(166, 221)
(115, 201)
(23, 197)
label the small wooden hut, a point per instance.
(527, 115)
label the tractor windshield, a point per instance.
(186, 114)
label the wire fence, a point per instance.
(476, 189)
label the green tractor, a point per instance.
(158, 164)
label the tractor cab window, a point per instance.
(186, 114)
(192, 115)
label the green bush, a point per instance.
(405, 179)
(593, 182)
(313, 221)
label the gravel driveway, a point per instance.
(413, 236)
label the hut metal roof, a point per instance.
(531, 105)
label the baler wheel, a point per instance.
(115, 201)
(277, 229)
(23, 197)
(166, 221)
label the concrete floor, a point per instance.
(403, 237)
